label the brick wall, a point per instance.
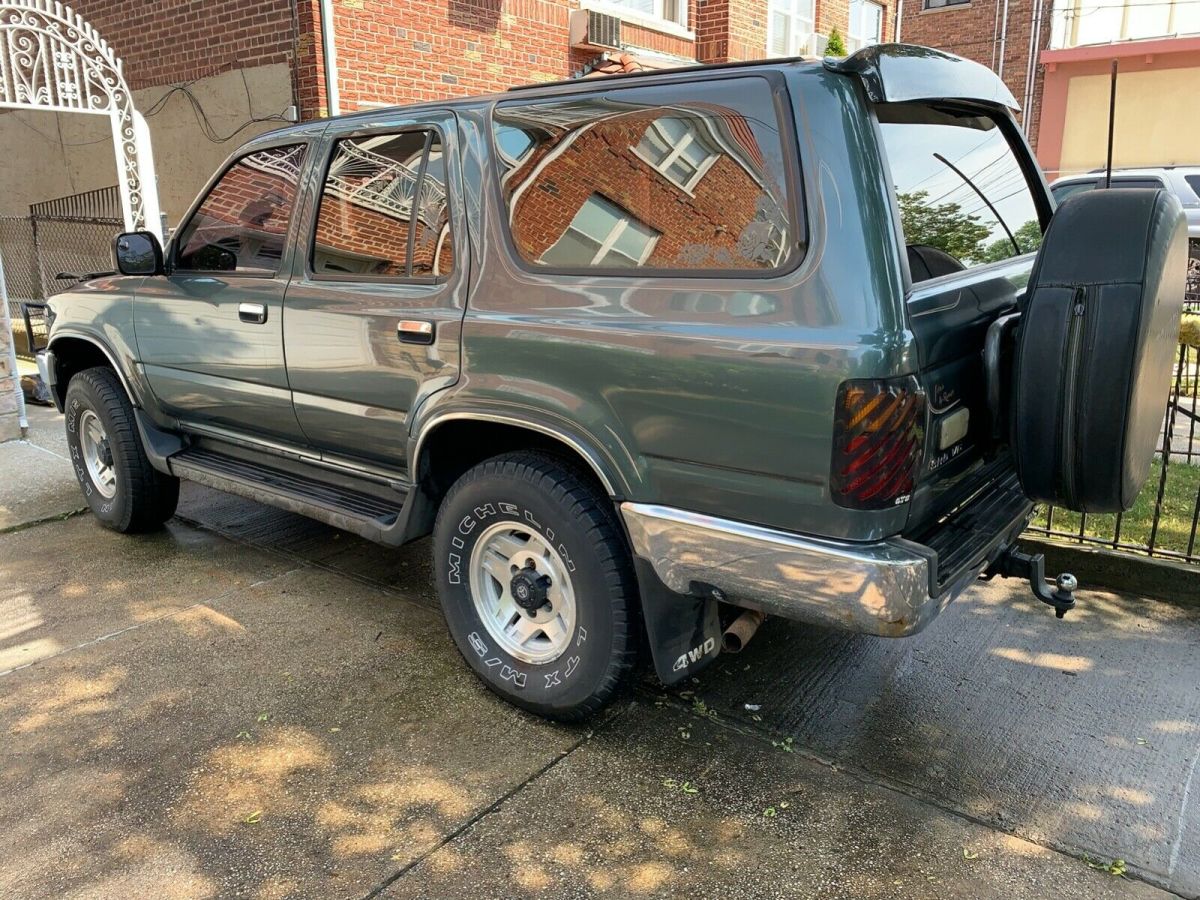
(176, 41)
(729, 30)
(971, 30)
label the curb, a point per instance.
(1160, 579)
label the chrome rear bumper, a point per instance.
(882, 588)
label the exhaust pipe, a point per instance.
(739, 632)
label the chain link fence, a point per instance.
(58, 244)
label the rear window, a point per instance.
(657, 179)
(964, 199)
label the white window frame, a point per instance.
(611, 238)
(803, 26)
(655, 20)
(664, 167)
(855, 39)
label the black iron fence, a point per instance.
(51, 249)
(1163, 521)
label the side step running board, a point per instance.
(363, 514)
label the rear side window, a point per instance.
(384, 212)
(963, 197)
(242, 225)
(661, 179)
(1193, 181)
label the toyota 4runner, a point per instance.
(644, 354)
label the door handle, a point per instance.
(254, 313)
(414, 331)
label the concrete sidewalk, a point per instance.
(248, 703)
(36, 481)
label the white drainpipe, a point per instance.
(1003, 40)
(329, 52)
(1037, 49)
(899, 16)
(1033, 20)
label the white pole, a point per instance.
(329, 51)
(6, 324)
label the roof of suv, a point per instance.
(890, 73)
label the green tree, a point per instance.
(944, 226)
(1028, 238)
(835, 46)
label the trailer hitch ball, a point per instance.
(1032, 566)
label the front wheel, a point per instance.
(536, 584)
(125, 492)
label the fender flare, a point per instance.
(134, 396)
(603, 467)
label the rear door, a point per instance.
(374, 310)
(972, 207)
(210, 332)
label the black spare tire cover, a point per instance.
(1095, 347)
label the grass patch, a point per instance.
(1180, 496)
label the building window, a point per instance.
(939, 4)
(789, 27)
(672, 146)
(866, 25)
(602, 234)
(673, 11)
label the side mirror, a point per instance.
(138, 253)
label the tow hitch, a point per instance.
(1032, 566)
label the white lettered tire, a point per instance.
(536, 584)
(124, 491)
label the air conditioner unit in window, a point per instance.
(816, 44)
(595, 31)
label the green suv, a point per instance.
(649, 356)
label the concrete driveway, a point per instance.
(250, 704)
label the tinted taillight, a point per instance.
(878, 440)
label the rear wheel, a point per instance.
(124, 491)
(536, 584)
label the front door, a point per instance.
(375, 306)
(210, 332)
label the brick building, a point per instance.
(1004, 35)
(210, 73)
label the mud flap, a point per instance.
(684, 632)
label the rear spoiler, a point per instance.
(896, 73)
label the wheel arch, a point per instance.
(451, 443)
(72, 353)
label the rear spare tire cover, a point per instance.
(1095, 347)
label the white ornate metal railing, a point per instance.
(363, 178)
(51, 59)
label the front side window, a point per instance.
(963, 197)
(384, 211)
(242, 225)
(789, 27)
(866, 25)
(653, 179)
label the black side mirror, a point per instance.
(138, 253)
